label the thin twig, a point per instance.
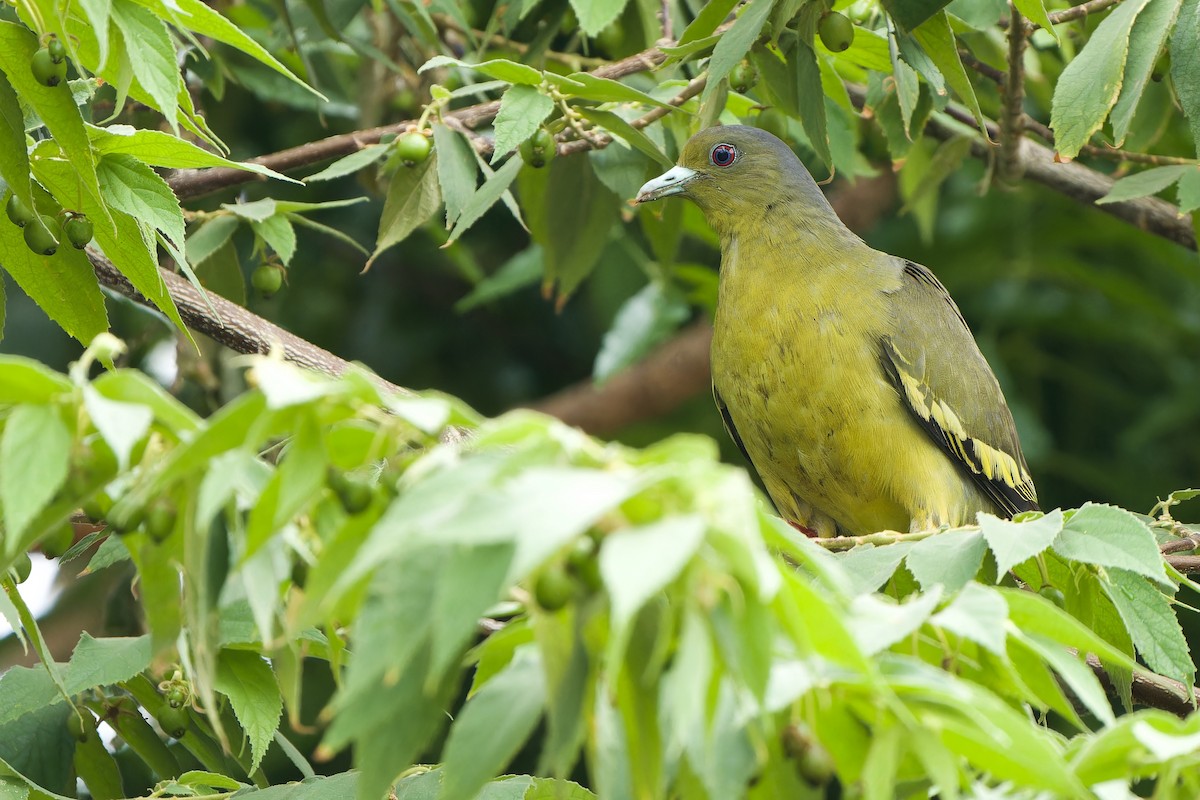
(839, 544)
(1149, 688)
(1012, 120)
(689, 91)
(1184, 544)
(1188, 565)
(575, 62)
(668, 24)
(1070, 14)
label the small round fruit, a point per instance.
(127, 520)
(413, 148)
(21, 568)
(177, 696)
(1054, 595)
(267, 278)
(354, 495)
(19, 214)
(538, 150)
(174, 721)
(815, 766)
(160, 520)
(81, 724)
(743, 77)
(78, 229)
(584, 563)
(59, 541)
(554, 588)
(836, 31)
(44, 70)
(41, 239)
(57, 50)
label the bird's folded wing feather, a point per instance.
(941, 376)
(729, 427)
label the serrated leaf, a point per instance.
(812, 99)
(606, 90)
(1142, 184)
(878, 622)
(254, 211)
(486, 196)
(949, 559)
(53, 104)
(638, 562)
(34, 457)
(909, 14)
(161, 149)
(711, 15)
(643, 321)
(210, 237)
(14, 157)
(1012, 543)
(413, 197)
(522, 270)
(132, 187)
(1146, 41)
(621, 130)
(736, 42)
(1111, 537)
(249, 683)
(1090, 84)
(1185, 65)
(937, 40)
(1189, 191)
(277, 231)
(522, 111)
(493, 725)
(499, 68)
(1075, 673)
(978, 614)
(596, 15)
(868, 568)
(1035, 11)
(350, 164)
(456, 170)
(1152, 624)
(154, 65)
(122, 425)
(24, 380)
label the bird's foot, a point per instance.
(807, 531)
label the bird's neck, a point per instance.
(785, 238)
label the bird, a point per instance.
(846, 376)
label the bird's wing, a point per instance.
(728, 422)
(935, 365)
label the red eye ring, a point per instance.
(723, 155)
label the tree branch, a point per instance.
(1012, 121)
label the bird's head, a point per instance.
(738, 175)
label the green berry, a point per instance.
(815, 766)
(267, 279)
(21, 568)
(836, 31)
(42, 239)
(174, 721)
(583, 562)
(78, 229)
(743, 77)
(127, 520)
(538, 150)
(1054, 595)
(177, 696)
(81, 724)
(57, 50)
(45, 70)
(413, 148)
(554, 588)
(58, 541)
(355, 496)
(160, 520)
(18, 213)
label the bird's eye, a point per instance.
(723, 155)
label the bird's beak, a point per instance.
(673, 181)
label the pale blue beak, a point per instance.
(673, 181)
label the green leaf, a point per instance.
(253, 211)
(412, 198)
(277, 231)
(39, 747)
(1111, 537)
(1141, 184)
(950, 559)
(711, 15)
(161, 149)
(877, 622)
(132, 386)
(122, 425)
(499, 68)
(1146, 41)
(132, 187)
(522, 111)
(350, 164)
(1152, 624)
(978, 614)
(1090, 84)
(1185, 66)
(249, 683)
(1034, 614)
(1075, 673)
(606, 90)
(622, 131)
(34, 458)
(202, 19)
(870, 567)
(909, 14)
(154, 64)
(639, 562)
(596, 15)
(1189, 191)
(14, 157)
(642, 322)
(63, 285)
(736, 42)
(1035, 11)
(493, 726)
(1012, 543)
(486, 196)
(937, 40)
(24, 380)
(210, 237)
(53, 104)
(456, 170)
(522, 270)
